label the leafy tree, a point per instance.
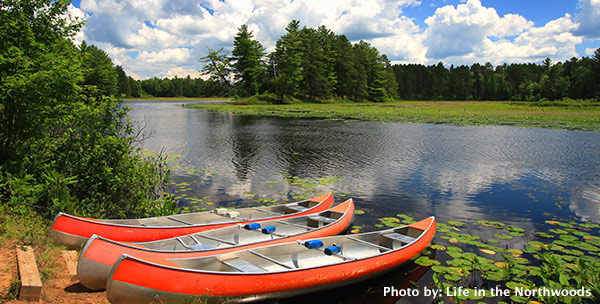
(66, 147)
(38, 71)
(248, 55)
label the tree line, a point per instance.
(318, 64)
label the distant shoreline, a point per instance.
(176, 99)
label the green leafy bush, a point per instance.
(64, 144)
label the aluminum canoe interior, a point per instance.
(291, 256)
(239, 234)
(219, 215)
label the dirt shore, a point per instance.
(59, 288)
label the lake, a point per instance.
(520, 176)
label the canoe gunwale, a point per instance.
(223, 273)
(104, 223)
(128, 245)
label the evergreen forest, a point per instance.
(317, 64)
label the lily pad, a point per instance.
(558, 231)
(544, 235)
(516, 234)
(426, 261)
(503, 236)
(456, 223)
(497, 225)
(514, 229)
(438, 247)
(452, 277)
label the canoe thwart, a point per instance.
(180, 221)
(216, 239)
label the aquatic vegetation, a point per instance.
(563, 258)
(454, 113)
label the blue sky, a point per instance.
(164, 38)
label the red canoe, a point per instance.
(269, 272)
(74, 231)
(100, 254)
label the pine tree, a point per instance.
(248, 56)
(327, 41)
(289, 51)
(98, 69)
(123, 84)
(217, 65)
(344, 69)
(314, 73)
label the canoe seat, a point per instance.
(243, 265)
(232, 214)
(297, 208)
(322, 219)
(400, 237)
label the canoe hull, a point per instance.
(99, 254)
(121, 292)
(74, 232)
(131, 282)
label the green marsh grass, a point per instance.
(462, 113)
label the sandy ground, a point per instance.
(62, 288)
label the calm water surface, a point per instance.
(521, 176)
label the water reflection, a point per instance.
(496, 173)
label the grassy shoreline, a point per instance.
(463, 113)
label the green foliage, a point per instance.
(65, 144)
(314, 65)
(574, 79)
(248, 56)
(287, 61)
(97, 69)
(217, 65)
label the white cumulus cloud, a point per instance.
(588, 20)
(166, 38)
